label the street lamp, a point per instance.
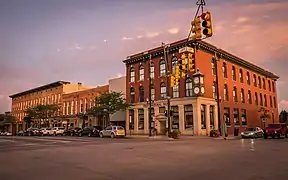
(215, 59)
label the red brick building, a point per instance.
(243, 89)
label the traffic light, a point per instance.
(177, 72)
(181, 61)
(196, 29)
(207, 24)
(172, 81)
(191, 62)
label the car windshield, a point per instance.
(274, 125)
(61, 128)
(120, 128)
(250, 129)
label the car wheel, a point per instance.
(265, 137)
(71, 134)
(29, 134)
(273, 137)
(101, 135)
(286, 135)
(54, 134)
(112, 135)
(80, 134)
(89, 135)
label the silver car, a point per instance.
(112, 131)
(252, 132)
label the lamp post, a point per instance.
(149, 100)
(215, 59)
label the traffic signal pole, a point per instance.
(150, 98)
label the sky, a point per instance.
(86, 41)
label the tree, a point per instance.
(8, 119)
(108, 103)
(283, 117)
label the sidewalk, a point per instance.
(186, 137)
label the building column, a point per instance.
(215, 110)
(146, 120)
(181, 118)
(197, 118)
(127, 120)
(207, 115)
(136, 119)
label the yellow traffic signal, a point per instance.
(172, 81)
(196, 29)
(207, 24)
(191, 62)
(177, 72)
(183, 74)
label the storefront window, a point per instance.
(212, 116)
(236, 117)
(203, 116)
(188, 115)
(243, 117)
(140, 119)
(131, 119)
(175, 117)
(226, 115)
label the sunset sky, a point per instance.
(86, 40)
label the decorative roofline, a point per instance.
(41, 88)
(202, 45)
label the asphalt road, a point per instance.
(86, 158)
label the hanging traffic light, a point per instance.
(196, 29)
(172, 81)
(207, 24)
(177, 72)
(191, 62)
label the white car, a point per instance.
(112, 131)
(58, 131)
(46, 131)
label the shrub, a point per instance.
(214, 133)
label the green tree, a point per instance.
(8, 119)
(264, 115)
(283, 117)
(108, 103)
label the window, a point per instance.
(174, 63)
(248, 78)
(163, 90)
(243, 117)
(256, 98)
(132, 95)
(241, 76)
(235, 94)
(249, 97)
(259, 82)
(141, 73)
(132, 75)
(269, 85)
(65, 109)
(224, 70)
(175, 117)
(188, 116)
(140, 119)
(81, 106)
(213, 63)
(264, 83)
(226, 96)
(152, 70)
(265, 100)
(189, 87)
(233, 73)
(131, 119)
(273, 87)
(162, 68)
(152, 92)
(214, 90)
(254, 80)
(68, 108)
(261, 99)
(203, 116)
(274, 99)
(175, 91)
(236, 117)
(226, 115)
(211, 116)
(141, 94)
(242, 95)
(271, 104)
(72, 107)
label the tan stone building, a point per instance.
(47, 94)
(76, 104)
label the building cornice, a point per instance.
(201, 45)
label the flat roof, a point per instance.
(203, 46)
(40, 88)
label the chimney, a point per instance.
(79, 85)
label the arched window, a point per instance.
(152, 70)
(163, 90)
(248, 78)
(162, 68)
(132, 75)
(189, 87)
(224, 70)
(132, 95)
(235, 94)
(174, 63)
(141, 73)
(141, 94)
(152, 92)
(259, 82)
(254, 80)
(175, 91)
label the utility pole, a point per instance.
(150, 96)
(215, 59)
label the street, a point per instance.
(83, 158)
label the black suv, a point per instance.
(90, 131)
(71, 131)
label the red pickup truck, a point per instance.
(276, 130)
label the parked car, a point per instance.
(20, 133)
(113, 131)
(90, 131)
(33, 132)
(57, 131)
(46, 131)
(252, 132)
(276, 130)
(71, 131)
